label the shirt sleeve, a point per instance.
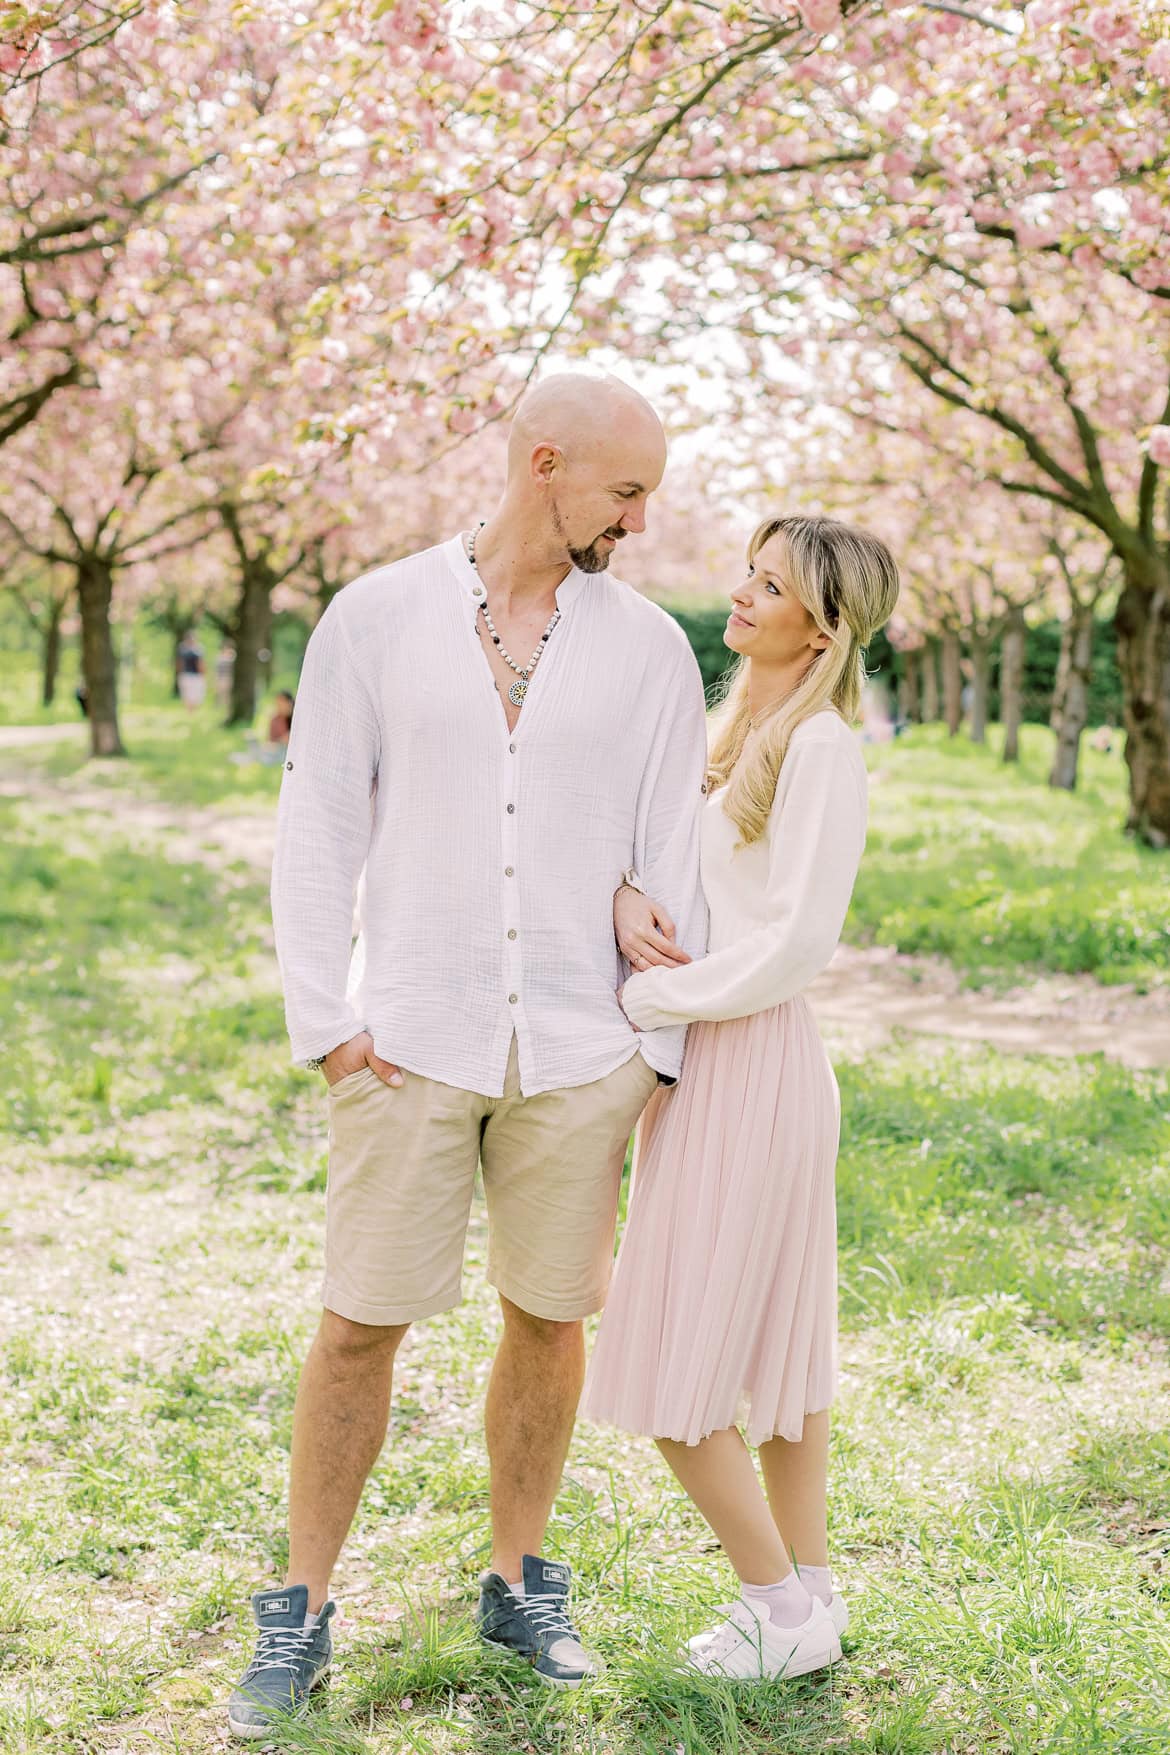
(816, 837)
(323, 832)
(666, 837)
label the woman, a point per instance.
(723, 1307)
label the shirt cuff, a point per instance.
(307, 1048)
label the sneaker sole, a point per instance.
(561, 1683)
(250, 1733)
(810, 1662)
(838, 1615)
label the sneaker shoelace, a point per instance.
(740, 1628)
(549, 1613)
(280, 1648)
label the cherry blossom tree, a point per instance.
(1086, 571)
(108, 117)
(960, 205)
(96, 509)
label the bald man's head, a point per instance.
(584, 455)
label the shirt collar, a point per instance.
(568, 591)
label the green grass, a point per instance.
(987, 866)
(966, 859)
(144, 654)
(1001, 1451)
(179, 758)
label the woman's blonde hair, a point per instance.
(848, 583)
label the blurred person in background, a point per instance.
(191, 672)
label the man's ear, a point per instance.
(545, 461)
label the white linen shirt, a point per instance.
(491, 857)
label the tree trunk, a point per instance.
(1011, 682)
(1143, 658)
(95, 590)
(1063, 663)
(51, 653)
(930, 712)
(910, 703)
(1077, 637)
(980, 686)
(952, 681)
(251, 634)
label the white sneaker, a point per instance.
(838, 1615)
(749, 1648)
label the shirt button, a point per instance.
(511, 810)
(477, 590)
(511, 932)
(512, 998)
(508, 871)
(511, 749)
(288, 767)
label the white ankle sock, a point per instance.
(786, 1604)
(311, 1621)
(817, 1581)
(517, 1591)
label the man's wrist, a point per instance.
(316, 1061)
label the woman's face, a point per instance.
(768, 622)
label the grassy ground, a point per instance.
(984, 865)
(967, 859)
(1001, 1460)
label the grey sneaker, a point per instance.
(537, 1625)
(291, 1660)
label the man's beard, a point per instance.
(594, 559)
(591, 559)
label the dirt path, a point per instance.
(16, 737)
(865, 995)
(862, 999)
(229, 838)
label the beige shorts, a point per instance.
(402, 1166)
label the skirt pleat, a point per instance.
(723, 1308)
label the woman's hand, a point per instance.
(645, 931)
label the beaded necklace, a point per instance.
(524, 672)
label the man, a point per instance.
(495, 730)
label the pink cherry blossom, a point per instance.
(1159, 446)
(821, 16)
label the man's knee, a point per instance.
(358, 1343)
(541, 1331)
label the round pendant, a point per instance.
(517, 692)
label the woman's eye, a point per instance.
(775, 590)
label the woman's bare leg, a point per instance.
(721, 1478)
(796, 1477)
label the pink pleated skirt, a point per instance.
(723, 1308)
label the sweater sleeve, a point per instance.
(323, 832)
(816, 835)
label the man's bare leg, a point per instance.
(339, 1424)
(531, 1406)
